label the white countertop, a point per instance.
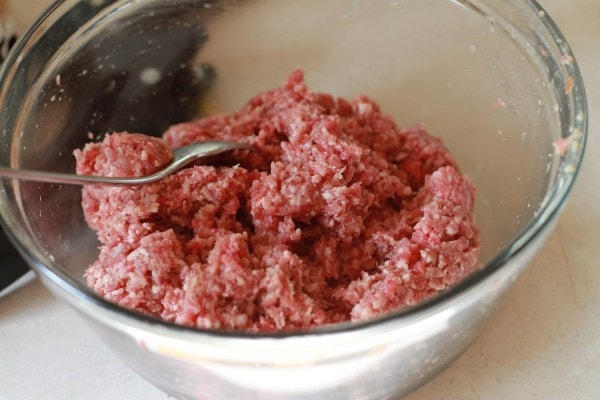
(542, 343)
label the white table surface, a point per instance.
(542, 343)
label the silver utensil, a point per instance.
(181, 157)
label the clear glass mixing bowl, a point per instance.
(494, 79)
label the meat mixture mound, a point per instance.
(338, 216)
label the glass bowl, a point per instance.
(494, 79)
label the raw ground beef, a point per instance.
(339, 215)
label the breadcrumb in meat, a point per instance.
(339, 216)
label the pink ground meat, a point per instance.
(339, 216)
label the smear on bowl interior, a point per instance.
(339, 216)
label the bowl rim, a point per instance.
(548, 212)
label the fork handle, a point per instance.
(73, 179)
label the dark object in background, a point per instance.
(111, 93)
(12, 266)
(7, 32)
(7, 40)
